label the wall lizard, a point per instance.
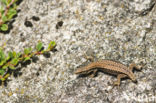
(111, 67)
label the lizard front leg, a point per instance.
(94, 73)
(133, 65)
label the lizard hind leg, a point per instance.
(119, 77)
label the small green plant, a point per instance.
(7, 11)
(10, 61)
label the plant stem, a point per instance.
(7, 8)
(5, 12)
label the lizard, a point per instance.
(110, 67)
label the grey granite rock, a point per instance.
(122, 30)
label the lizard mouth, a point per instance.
(77, 72)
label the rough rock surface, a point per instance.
(122, 30)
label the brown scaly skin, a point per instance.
(111, 67)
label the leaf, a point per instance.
(1, 9)
(14, 61)
(10, 54)
(2, 55)
(5, 77)
(4, 27)
(39, 46)
(1, 63)
(11, 13)
(51, 45)
(27, 51)
(5, 66)
(27, 58)
(3, 59)
(9, 1)
(5, 2)
(8, 57)
(18, 55)
(12, 67)
(4, 18)
(14, 6)
(14, 54)
(2, 72)
(16, 0)
(2, 79)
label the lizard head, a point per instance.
(81, 71)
